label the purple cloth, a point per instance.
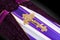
(50, 32)
(21, 1)
(11, 30)
(3, 15)
(10, 6)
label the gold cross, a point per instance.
(29, 18)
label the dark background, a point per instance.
(51, 5)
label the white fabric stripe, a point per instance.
(46, 21)
(31, 31)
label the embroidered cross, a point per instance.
(29, 18)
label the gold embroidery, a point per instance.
(29, 18)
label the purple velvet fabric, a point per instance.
(21, 1)
(3, 15)
(8, 6)
(10, 29)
